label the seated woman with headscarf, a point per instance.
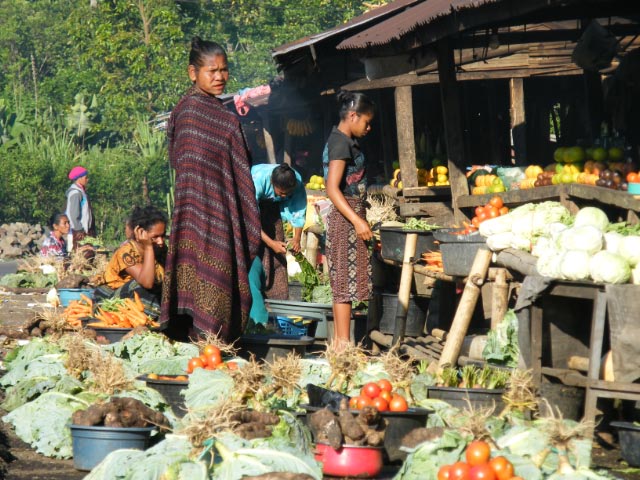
(138, 264)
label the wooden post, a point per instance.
(404, 291)
(268, 139)
(287, 148)
(595, 102)
(452, 114)
(406, 140)
(500, 297)
(518, 120)
(465, 309)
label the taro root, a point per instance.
(120, 412)
(325, 428)
(419, 435)
(252, 424)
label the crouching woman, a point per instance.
(138, 264)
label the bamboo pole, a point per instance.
(404, 291)
(500, 298)
(465, 309)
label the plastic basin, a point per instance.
(113, 335)
(170, 390)
(349, 460)
(392, 240)
(478, 397)
(270, 347)
(92, 443)
(66, 295)
(629, 438)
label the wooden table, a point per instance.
(595, 388)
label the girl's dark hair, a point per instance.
(284, 177)
(56, 217)
(146, 217)
(354, 102)
(203, 48)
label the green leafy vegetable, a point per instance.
(29, 280)
(308, 277)
(419, 224)
(502, 342)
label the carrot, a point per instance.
(86, 299)
(139, 303)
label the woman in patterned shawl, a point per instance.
(215, 231)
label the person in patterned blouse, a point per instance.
(55, 245)
(138, 264)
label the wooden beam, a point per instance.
(406, 140)
(451, 112)
(518, 120)
(268, 139)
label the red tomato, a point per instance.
(483, 216)
(381, 404)
(398, 404)
(371, 390)
(195, 362)
(353, 403)
(492, 212)
(478, 211)
(203, 357)
(232, 365)
(209, 350)
(496, 201)
(444, 473)
(504, 210)
(475, 221)
(364, 401)
(385, 385)
(502, 468)
(633, 177)
(459, 471)
(482, 472)
(478, 452)
(214, 359)
(386, 395)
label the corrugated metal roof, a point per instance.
(361, 20)
(407, 21)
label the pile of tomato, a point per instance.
(379, 394)
(210, 359)
(494, 208)
(479, 465)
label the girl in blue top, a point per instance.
(281, 196)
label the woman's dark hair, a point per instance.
(284, 177)
(203, 48)
(146, 217)
(354, 102)
(55, 218)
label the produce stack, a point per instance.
(435, 177)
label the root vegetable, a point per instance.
(420, 435)
(350, 427)
(326, 428)
(252, 430)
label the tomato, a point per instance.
(478, 211)
(492, 212)
(482, 472)
(353, 403)
(502, 468)
(633, 177)
(385, 385)
(475, 221)
(459, 471)
(478, 452)
(381, 404)
(483, 216)
(444, 473)
(232, 365)
(386, 395)
(195, 362)
(214, 359)
(496, 201)
(209, 350)
(204, 359)
(504, 210)
(398, 404)
(371, 390)
(364, 401)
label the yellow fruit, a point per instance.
(442, 170)
(532, 171)
(396, 173)
(479, 190)
(400, 185)
(442, 177)
(574, 155)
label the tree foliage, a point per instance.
(81, 80)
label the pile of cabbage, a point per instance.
(568, 248)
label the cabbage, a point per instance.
(612, 241)
(635, 275)
(629, 249)
(544, 247)
(609, 267)
(592, 216)
(554, 229)
(574, 265)
(499, 241)
(549, 266)
(520, 242)
(496, 225)
(586, 238)
(523, 226)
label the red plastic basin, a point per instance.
(350, 460)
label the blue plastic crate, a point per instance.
(289, 327)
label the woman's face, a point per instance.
(360, 123)
(212, 76)
(157, 233)
(62, 226)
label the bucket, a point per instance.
(478, 397)
(270, 347)
(349, 460)
(382, 312)
(92, 443)
(112, 334)
(67, 294)
(170, 390)
(629, 438)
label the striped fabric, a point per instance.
(215, 231)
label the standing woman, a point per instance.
(281, 196)
(347, 228)
(78, 209)
(215, 230)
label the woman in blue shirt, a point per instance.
(281, 196)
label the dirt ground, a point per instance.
(19, 462)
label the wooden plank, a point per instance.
(406, 140)
(568, 377)
(536, 343)
(427, 209)
(604, 195)
(515, 197)
(518, 120)
(444, 191)
(268, 139)
(452, 113)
